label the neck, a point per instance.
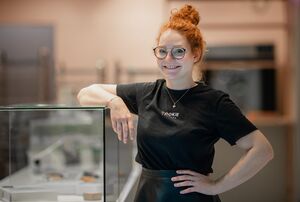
(180, 85)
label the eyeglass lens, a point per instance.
(177, 52)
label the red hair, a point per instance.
(185, 21)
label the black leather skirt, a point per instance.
(156, 186)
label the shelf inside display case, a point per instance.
(56, 153)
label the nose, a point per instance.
(169, 56)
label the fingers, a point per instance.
(184, 184)
(114, 125)
(119, 130)
(185, 181)
(193, 182)
(131, 128)
(122, 120)
(188, 172)
(183, 178)
(124, 127)
(188, 190)
(187, 175)
(125, 130)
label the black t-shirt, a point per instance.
(183, 137)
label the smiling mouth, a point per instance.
(175, 67)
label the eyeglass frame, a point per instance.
(179, 47)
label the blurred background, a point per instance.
(49, 50)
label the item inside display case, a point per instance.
(62, 151)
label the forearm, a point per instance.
(250, 164)
(94, 95)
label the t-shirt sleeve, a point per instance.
(132, 94)
(231, 124)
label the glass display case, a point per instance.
(56, 153)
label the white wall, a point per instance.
(86, 31)
(125, 30)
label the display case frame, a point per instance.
(7, 184)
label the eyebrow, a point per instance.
(179, 46)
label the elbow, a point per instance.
(82, 94)
(268, 152)
(265, 148)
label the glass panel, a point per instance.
(118, 166)
(4, 144)
(56, 154)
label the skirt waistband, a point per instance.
(159, 173)
(162, 173)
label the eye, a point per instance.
(162, 51)
(178, 52)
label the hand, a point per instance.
(195, 181)
(121, 119)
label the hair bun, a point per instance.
(186, 13)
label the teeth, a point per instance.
(171, 67)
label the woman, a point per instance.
(180, 120)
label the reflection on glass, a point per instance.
(55, 154)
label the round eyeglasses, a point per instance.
(162, 52)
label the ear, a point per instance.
(197, 55)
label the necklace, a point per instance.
(174, 103)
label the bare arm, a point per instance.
(259, 153)
(105, 94)
(97, 94)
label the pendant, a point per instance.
(174, 105)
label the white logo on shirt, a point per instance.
(172, 115)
